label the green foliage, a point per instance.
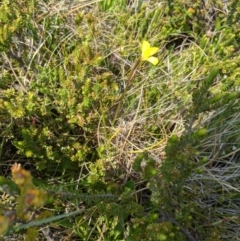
(124, 150)
(32, 234)
(14, 17)
(107, 5)
(8, 185)
(176, 204)
(148, 228)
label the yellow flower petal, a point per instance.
(148, 51)
(153, 60)
(145, 50)
(153, 51)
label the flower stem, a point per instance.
(128, 84)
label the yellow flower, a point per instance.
(147, 52)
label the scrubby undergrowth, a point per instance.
(117, 148)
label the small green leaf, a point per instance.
(130, 185)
